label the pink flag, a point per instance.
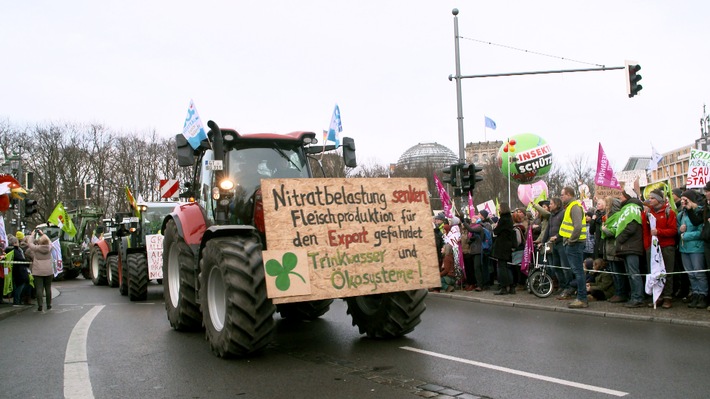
(605, 175)
(527, 253)
(445, 199)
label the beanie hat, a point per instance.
(657, 195)
(20, 235)
(455, 221)
(440, 216)
(691, 195)
(707, 186)
(678, 192)
(483, 213)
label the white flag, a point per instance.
(656, 157)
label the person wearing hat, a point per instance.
(691, 220)
(665, 230)
(19, 235)
(629, 244)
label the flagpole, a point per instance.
(508, 172)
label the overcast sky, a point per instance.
(281, 66)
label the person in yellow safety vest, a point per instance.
(574, 233)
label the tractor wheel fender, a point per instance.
(191, 222)
(103, 246)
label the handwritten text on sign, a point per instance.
(154, 251)
(354, 237)
(698, 169)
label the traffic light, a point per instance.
(29, 180)
(30, 207)
(632, 84)
(451, 175)
(470, 176)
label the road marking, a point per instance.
(76, 368)
(519, 372)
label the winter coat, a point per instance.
(544, 216)
(555, 222)
(504, 238)
(20, 271)
(609, 246)
(603, 282)
(41, 258)
(630, 240)
(690, 241)
(475, 241)
(667, 227)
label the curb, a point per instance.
(11, 310)
(613, 315)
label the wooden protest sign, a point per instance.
(601, 192)
(335, 238)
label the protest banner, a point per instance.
(335, 238)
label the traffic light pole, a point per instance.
(458, 77)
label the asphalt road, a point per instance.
(462, 348)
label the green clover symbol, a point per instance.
(281, 272)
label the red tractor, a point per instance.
(213, 272)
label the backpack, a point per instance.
(486, 240)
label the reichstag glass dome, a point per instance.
(427, 154)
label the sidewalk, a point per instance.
(678, 314)
(7, 309)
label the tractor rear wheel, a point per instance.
(387, 315)
(310, 310)
(237, 314)
(179, 271)
(123, 275)
(112, 271)
(137, 276)
(97, 266)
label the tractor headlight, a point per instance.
(226, 185)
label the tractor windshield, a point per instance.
(246, 167)
(154, 214)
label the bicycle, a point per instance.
(540, 281)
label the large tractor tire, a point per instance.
(123, 279)
(179, 272)
(97, 264)
(112, 271)
(237, 314)
(86, 265)
(304, 310)
(71, 274)
(387, 315)
(137, 276)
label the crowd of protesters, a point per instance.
(599, 250)
(27, 268)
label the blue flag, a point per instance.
(193, 130)
(490, 123)
(336, 126)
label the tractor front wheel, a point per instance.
(236, 312)
(179, 271)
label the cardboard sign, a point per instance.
(698, 169)
(601, 192)
(334, 238)
(154, 250)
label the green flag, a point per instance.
(59, 217)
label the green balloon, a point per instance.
(527, 160)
